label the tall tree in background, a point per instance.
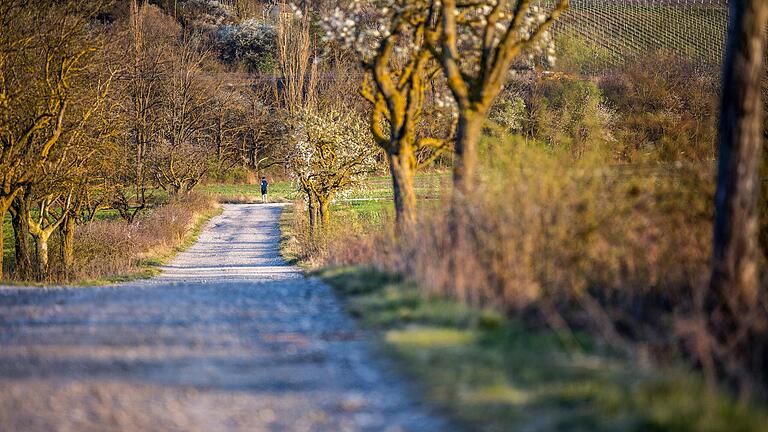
(400, 71)
(182, 155)
(38, 86)
(734, 293)
(477, 44)
(296, 63)
(149, 41)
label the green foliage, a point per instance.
(511, 114)
(578, 55)
(568, 114)
(231, 175)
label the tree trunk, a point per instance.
(402, 166)
(68, 245)
(325, 210)
(467, 138)
(733, 290)
(5, 204)
(41, 253)
(2, 241)
(21, 235)
(312, 209)
(740, 139)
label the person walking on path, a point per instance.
(264, 184)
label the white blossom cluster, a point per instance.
(362, 28)
(250, 41)
(444, 105)
(473, 28)
(330, 147)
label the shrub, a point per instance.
(666, 109)
(231, 175)
(546, 227)
(251, 43)
(568, 114)
(618, 250)
(577, 55)
(112, 248)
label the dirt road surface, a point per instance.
(227, 338)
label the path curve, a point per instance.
(228, 338)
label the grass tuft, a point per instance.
(493, 373)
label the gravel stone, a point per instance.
(228, 338)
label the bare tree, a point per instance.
(148, 40)
(37, 72)
(181, 157)
(296, 62)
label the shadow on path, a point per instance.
(228, 337)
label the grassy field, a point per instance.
(369, 200)
(493, 374)
(428, 185)
(244, 193)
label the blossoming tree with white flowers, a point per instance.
(477, 42)
(474, 42)
(331, 149)
(400, 69)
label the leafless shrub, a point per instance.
(115, 247)
(617, 250)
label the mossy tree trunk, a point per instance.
(41, 255)
(740, 142)
(324, 204)
(467, 140)
(312, 210)
(6, 199)
(398, 96)
(475, 93)
(42, 228)
(403, 169)
(68, 244)
(21, 236)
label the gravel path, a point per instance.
(227, 338)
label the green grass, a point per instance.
(241, 193)
(428, 185)
(492, 373)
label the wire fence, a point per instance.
(694, 29)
